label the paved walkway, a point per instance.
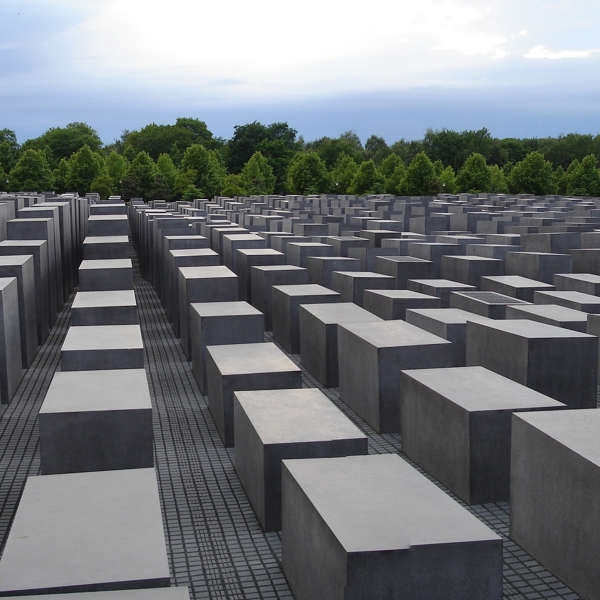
(215, 544)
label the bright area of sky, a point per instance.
(522, 68)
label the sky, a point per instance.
(393, 68)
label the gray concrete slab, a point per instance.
(233, 242)
(105, 275)
(297, 253)
(557, 362)
(254, 257)
(394, 535)
(554, 494)
(470, 269)
(286, 301)
(442, 288)
(105, 246)
(515, 286)
(110, 225)
(318, 337)
(272, 425)
(321, 268)
(540, 266)
(22, 268)
(96, 421)
(456, 424)
(486, 304)
(240, 367)
(352, 285)
(11, 366)
(392, 304)
(116, 307)
(575, 300)
(83, 532)
(587, 283)
(221, 323)
(162, 593)
(551, 314)
(403, 268)
(103, 347)
(371, 356)
(262, 280)
(202, 284)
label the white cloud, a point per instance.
(540, 52)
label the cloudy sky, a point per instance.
(388, 67)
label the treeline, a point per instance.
(185, 161)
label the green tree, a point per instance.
(367, 180)
(9, 149)
(3, 180)
(60, 176)
(585, 178)
(62, 142)
(30, 173)
(447, 181)
(166, 177)
(307, 174)
(202, 169)
(343, 172)
(389, 164)
(393, 183)
(420, 178)
(257, 176)
(498, 182)
(84, 167)
(475, 175)
(330, 149)
(117, 169)
(560, 180)
(233, 186)
(102, 184)
(377, 149)
(140, 177)
(532, 175)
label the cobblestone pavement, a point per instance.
(215, 544)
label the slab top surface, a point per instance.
(107, 263)
(107, 218)
(554, 311)
(403, 295)
(260, 251)
(14, 260)
(443, 283)
(164, 593)
(106, 239)
(206, 272)
(267, 268)
(517, 281)
(244, 237)
(23, 243)
(193, 252)
(305, 289)
(492, 298)
(588, 277)
(340, 312)
(296, 415)
(578, 297)
(224, 309)
(104, 298)
(387, 504)
(6, 281)
(85, 528)
(575, 429)
(363, 275)
(78, 391)
(244, 359)
(392, 334)
(478, 389)
(103, 337)
(533, 329)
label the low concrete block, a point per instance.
(442, 288)
(107, 225)
(262, 280)
(286, 310)
(202, 284)
(106, 247)
(321, 268)
(392, 304)
(403, 268)
(281, 424)
(105, 275)
(586, 283)
(254, 257)
(374, 527)
(239, 367)
(371, 356)
(297, 253)
(11, 366)
(456, 424)
(221, 323)
(551, 314)
(470, 269)
(96, 421)
(514, 286)
(233, 242)
(116, 307)
(485, 304)
(555, 485)
(102, 347)
(86, 532)
(318, 337)
(575, 300)
(352, 285)
(541, 266)
(557, 362)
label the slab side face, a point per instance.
(86, 532)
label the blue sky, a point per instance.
(390, 68)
